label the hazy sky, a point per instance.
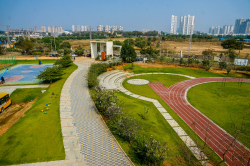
(131, 14)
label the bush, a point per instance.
(190, 61)
(65, 61)
(228, 70)
(95, 70)
(222, 65)
(181, 61)
(150, 151)
(205, 63)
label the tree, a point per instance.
(208, 52)
(65, 61)
(231, 53)
(128, 53)
(1, 49)
(67, 51)
(222, 65)
(24, 44)
(162, 58)
(232, 44)
(154, 38)
(50, 73)
(163, 38)
(79, 51)
(149, 39)
(131, 42)
(141, 44)
(66, 45)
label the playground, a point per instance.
(23, 73)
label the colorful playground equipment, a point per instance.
(2, 78)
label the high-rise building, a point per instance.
(82, 28)
(238, 24)
(73, 28)
(99, 28)
(120, 28)
(49, 29)
(78, 29)
(186, 26)
(114, 28)
(60, 30)
(106, 28)
(211, 30)
(43, 29)
(225, 30)
(173, 24)
(54, 29)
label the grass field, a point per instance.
(220, 104)
(146, 91)
(25, 95)
(186, 71)
(35, 61)
(37, 136)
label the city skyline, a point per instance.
(46, 13)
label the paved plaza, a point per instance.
(138, 81)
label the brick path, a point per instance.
(97, 144)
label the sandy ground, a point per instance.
(33, 57)
(11, 115)
(196, 47)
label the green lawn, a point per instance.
(154, 124)
(147, 91)
(187, 71)
(36, 137)
(220, 103)
(25, 95)
(35, 61)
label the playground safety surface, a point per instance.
(24, 73)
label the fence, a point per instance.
(6, 61)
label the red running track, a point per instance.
(216, 138)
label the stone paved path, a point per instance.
(96, 142)
(10, 89)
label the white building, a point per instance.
(114, 28)
(186, 25)
(99, 28)
(105, 46)
(73, 28)
(54, 29)
(49, 29)
(144, 30)
(106, 28)
(43, 29)
(173, 24)
(60, 30)
(78, 28)
(120, 28)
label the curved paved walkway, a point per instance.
(97, 144)
(215, 137)
(10, 89)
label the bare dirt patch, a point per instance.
(11, 115)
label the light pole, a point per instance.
(239, 51)
(51, 45)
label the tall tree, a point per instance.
(128, 53)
